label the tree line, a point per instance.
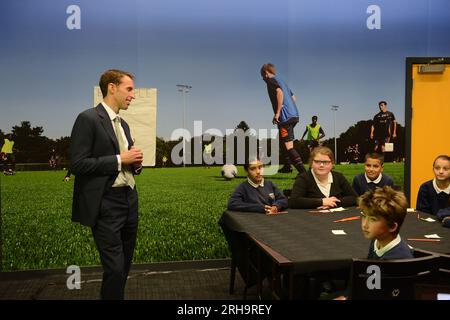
(31, 146)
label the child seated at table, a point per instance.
(434, 195)
(383, 213)
(254, 195)
(373, 176)
(321, 187)
(257, 194)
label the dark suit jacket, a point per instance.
(307, 195)
(93, 161)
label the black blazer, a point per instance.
(93, 161)
(307, 195)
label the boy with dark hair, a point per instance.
(253, 195)
(257, 194)
(372, 177)
(383, 213)
(285, 115)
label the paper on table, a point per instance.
(338, 232)
(410, 210)
(432, 236)
(337, 209)
(428, 219)
(329, 210)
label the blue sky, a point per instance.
(323, 49)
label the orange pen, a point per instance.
(348, 219)
(423, 240)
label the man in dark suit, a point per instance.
(104, 160)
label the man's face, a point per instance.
(123, 93)
(373, 168)
(255, 172)
(383, 107)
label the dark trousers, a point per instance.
(115, 236)
(10, 162)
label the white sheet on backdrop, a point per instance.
(141, 117)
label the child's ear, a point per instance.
(394, 227)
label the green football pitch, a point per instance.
(179, 210)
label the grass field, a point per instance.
(179, 210)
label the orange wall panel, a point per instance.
(430, 125)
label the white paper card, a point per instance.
(428, 219)
(432, 236)
(338, 232)
(337, 209)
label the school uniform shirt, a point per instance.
(324, 187)
(431, 199)
(251, 197)
(396, 249)
(361, 183)
(307, 194)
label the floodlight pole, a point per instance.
(184, 88)
(335, 108)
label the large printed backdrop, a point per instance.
(349, 53)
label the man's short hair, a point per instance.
(374, 155)
(382, 102)
(314, 118)
(112, 76)
(387, 203)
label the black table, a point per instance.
(302, 241)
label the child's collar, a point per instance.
(439, 190)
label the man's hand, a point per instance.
(138, 164)
(276, 118)
(133, 156)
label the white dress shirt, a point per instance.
(324, 187)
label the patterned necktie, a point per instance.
(127, 177)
